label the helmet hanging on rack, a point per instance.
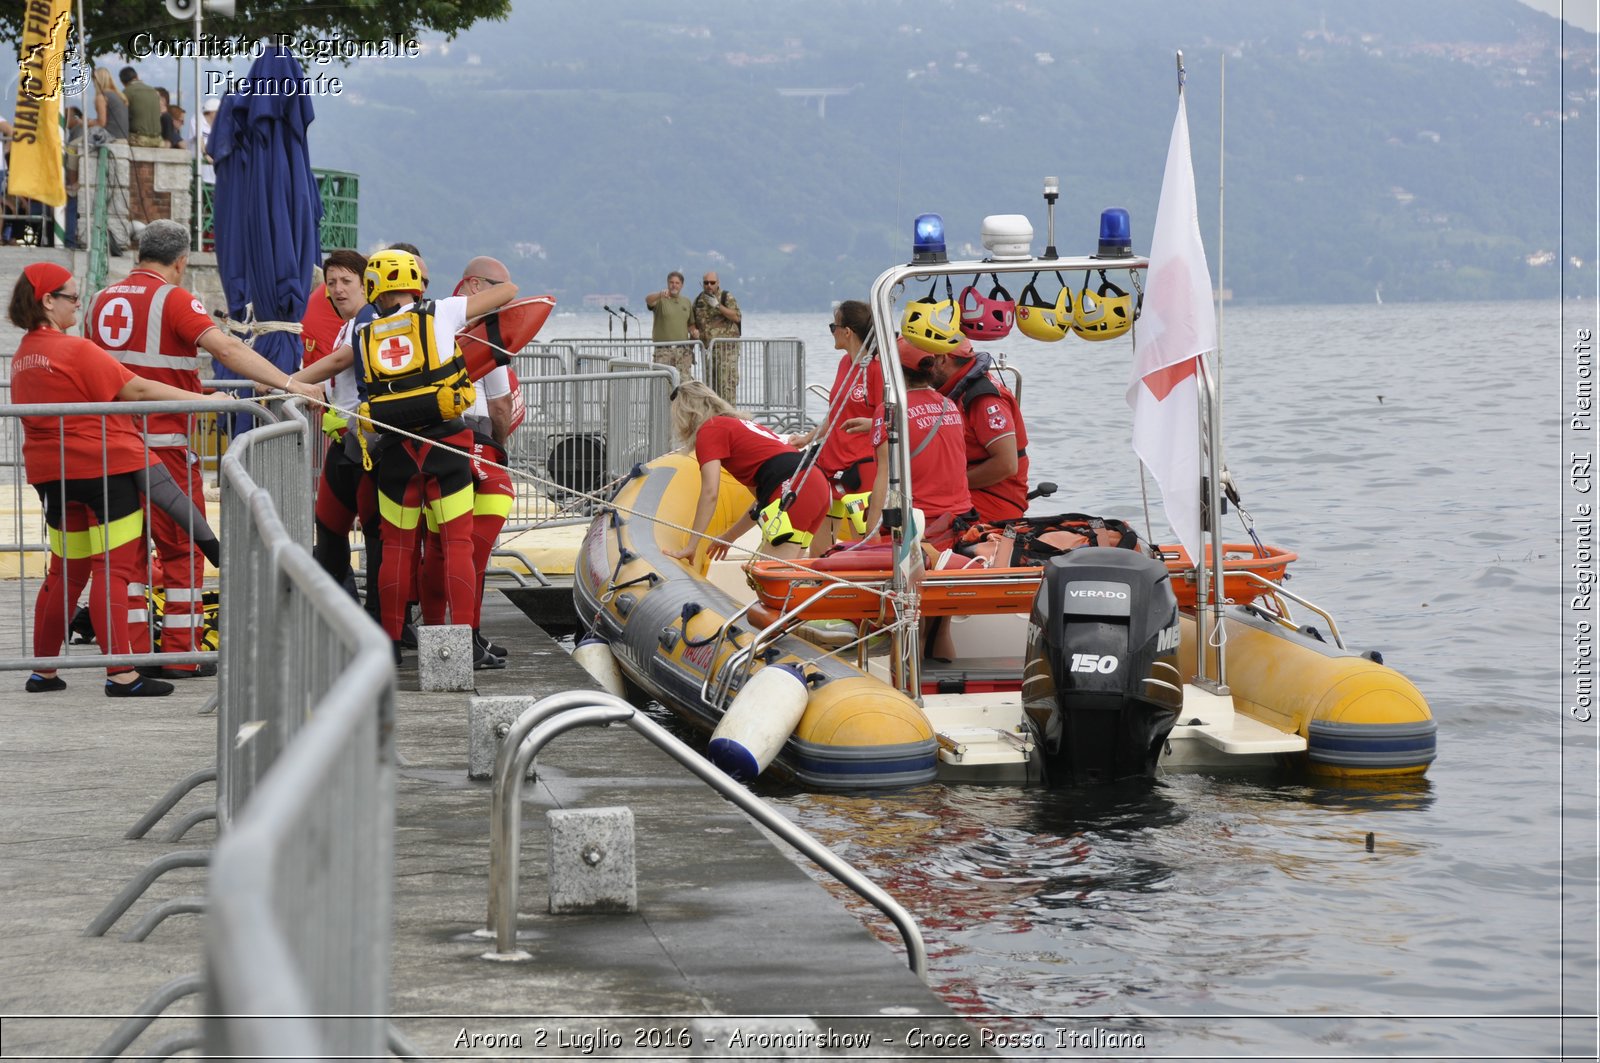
(1047, 322)
(1105, 313)
(930, 325)
(987, 317)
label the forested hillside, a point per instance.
(1414, 147)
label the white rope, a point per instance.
(251, 327)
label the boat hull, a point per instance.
(663, 618)
(1358, 718)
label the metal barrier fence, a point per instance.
(262, 677)
(300, 891)
(582, 430)
(299, 895)
(771, 372)
(24, 545)
(642, 350)
(771, 379)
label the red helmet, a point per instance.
(987, 317)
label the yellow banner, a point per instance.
(36, 166)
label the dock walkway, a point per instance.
(730, 933)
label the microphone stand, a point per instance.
(626, 314)
(612, 323)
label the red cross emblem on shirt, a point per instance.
(116, 320)
(395, 353)
(115, 323)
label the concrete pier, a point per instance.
(729, 933)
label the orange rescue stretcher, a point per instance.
(829, 590)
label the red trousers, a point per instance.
(182, 573)
(417, 478)
(493, 494)
(96, 541)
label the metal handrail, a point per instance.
(1277, 588)
(562, 712)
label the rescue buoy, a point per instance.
(760, 720)
(593, 653)
(492, 339)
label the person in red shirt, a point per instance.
(494, 494)
(320, 327)
(88, 471)
(996, 441)
(759, 460)
(935, 432)
(847, 453)
(157, 329)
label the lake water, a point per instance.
(1412, 455)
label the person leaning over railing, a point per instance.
(88, 472)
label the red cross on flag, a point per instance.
(1178, 325)
(395, 353)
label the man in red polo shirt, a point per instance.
(996, 441)
(157, 329)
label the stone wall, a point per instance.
(144, 185)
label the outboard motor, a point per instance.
(1101, 688)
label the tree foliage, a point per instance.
(113, 25)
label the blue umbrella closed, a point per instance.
(267, 211)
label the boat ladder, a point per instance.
(559, 713)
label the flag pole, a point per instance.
(1222, 163)
(1202, 595)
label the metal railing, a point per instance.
(24, 549)
(770, 378)
(341, 201)
(269, 687)
(582, 431)
(340, 192)
(299, 895)
(559, 713)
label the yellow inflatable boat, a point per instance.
(690, 646)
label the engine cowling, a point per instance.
(1101, 688)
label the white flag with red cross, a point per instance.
(1177, 326)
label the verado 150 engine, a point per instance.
(1101, 687)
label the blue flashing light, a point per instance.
(927, 240)
(1116, 234)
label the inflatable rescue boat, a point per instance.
(1081, 668)
(689, 645)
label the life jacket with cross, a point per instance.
(409, 385)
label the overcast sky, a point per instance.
(1585, 13)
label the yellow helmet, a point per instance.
(1041, 320)
(932, 326)
(392, 271)
(1104, 314)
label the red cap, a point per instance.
(910, 356)
(46, 277)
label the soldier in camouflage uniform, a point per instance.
(717, 316)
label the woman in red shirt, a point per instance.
(936, 434)
(755, 457)
(846, 454)
(87, 470)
